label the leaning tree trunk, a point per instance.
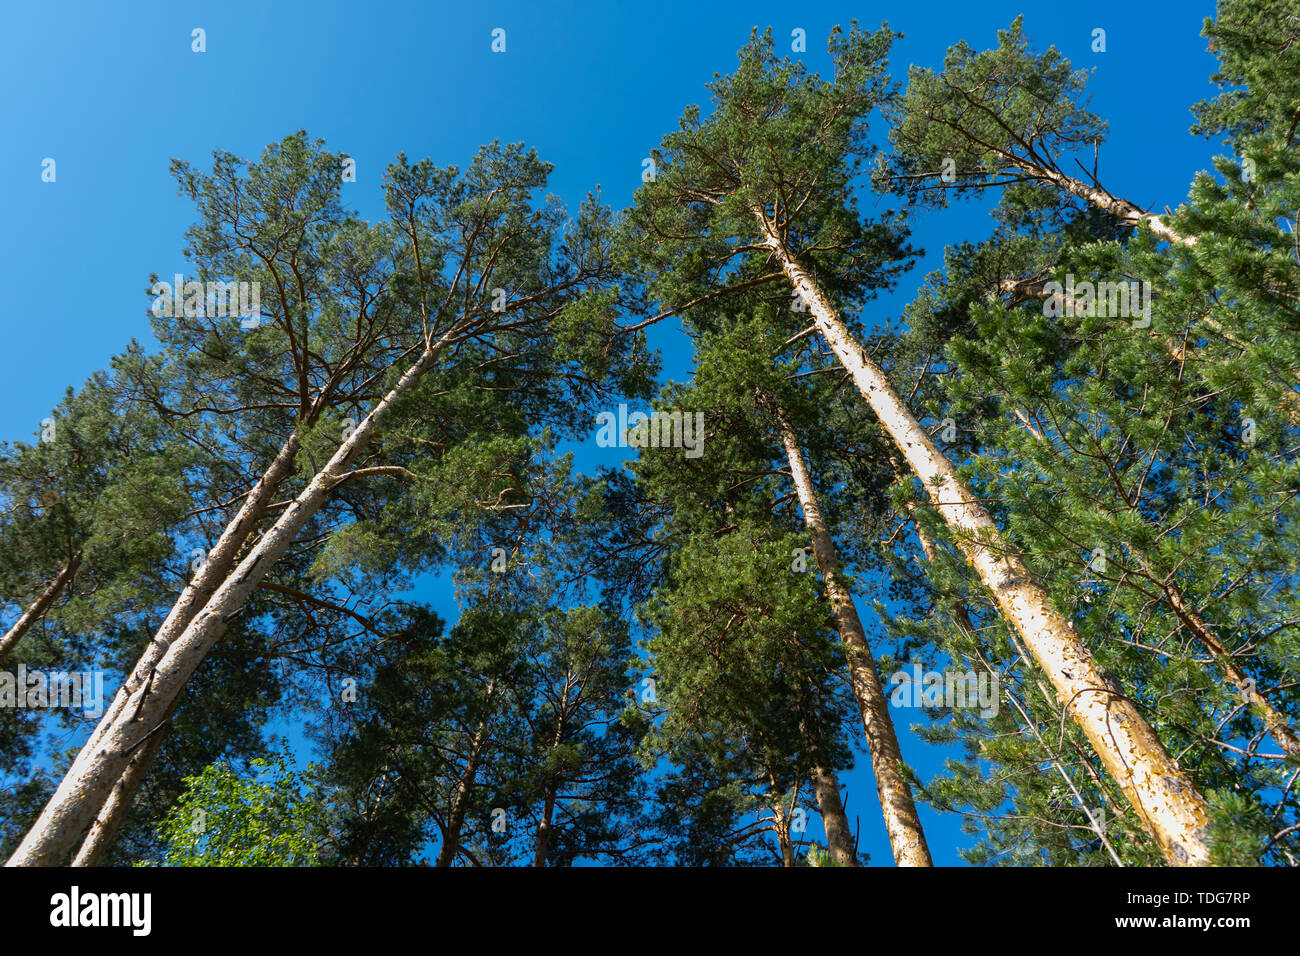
(957, 610)
(1277, 724)
(906, 837)
(1172, 810)
(217, 564)
(456, 821)
(839, 835)
(104, 758)
(210, 574)
(112, 815)
(961, 617)
(1274, 721)
(39, 606)
(1122, 209)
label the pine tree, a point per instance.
(481, 227)
(781, 195)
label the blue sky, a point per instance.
(112, 92)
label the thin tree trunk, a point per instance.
(548, 806)
(456, 821)
(781, 825)
(39, 606)
(960, 614)
(102, 760)
(1174, 813)
(1274, 721)
(839, 835)
(906, 837)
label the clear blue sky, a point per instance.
(112, 91)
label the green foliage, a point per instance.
(1240, 829)
(1259, 70)
(269, 816)
(644, 667)
(988, 113)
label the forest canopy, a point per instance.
(1043, 522)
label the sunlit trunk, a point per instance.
(902, 823)
(1171, 809)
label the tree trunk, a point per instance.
(1121, 209)
(1174, 813)
(104, 758)
(781, 827)
(210, 574)
(906, 837)
(1274, 721)
(214, 569)
(548, 806)
(451, 837)
(961, 617)
(959, 612)
(839, 835)
(544, 829)
(108, 824)
(39, 606)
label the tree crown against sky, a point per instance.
(1111, 456)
